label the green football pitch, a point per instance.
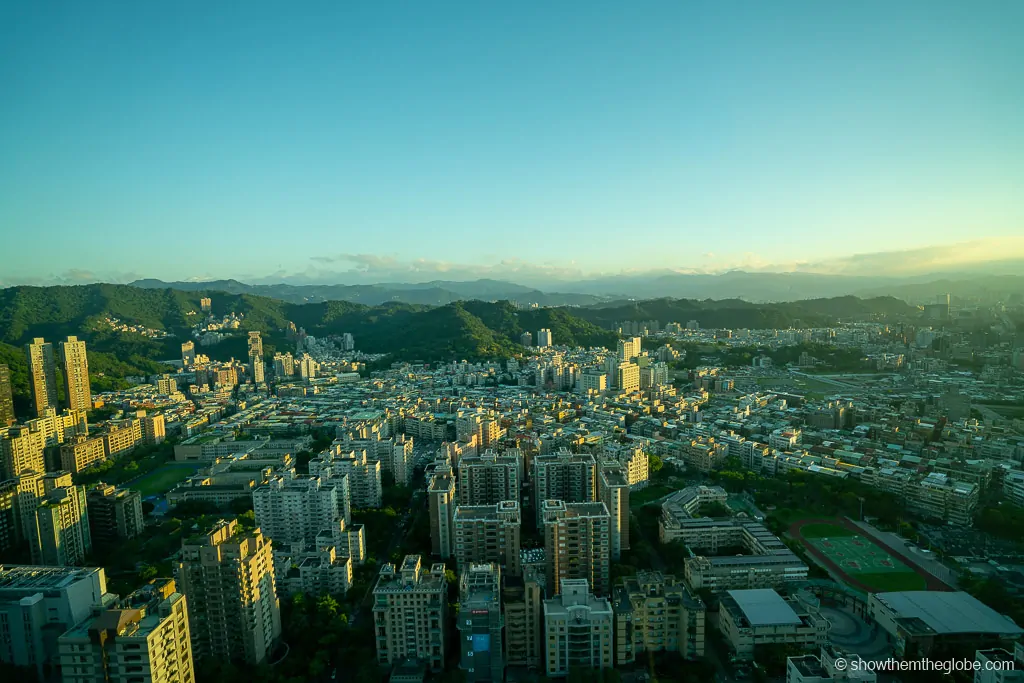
(861, 559)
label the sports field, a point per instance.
(162, 479)
(865, 563)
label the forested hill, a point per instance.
(464, 329)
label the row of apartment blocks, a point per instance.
(507, 621)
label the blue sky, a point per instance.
(253, 140)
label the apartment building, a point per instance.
(144, 637)
(75, 367)
(627, 377)
(655, 612)
(11, 530)
(441, 505)
(577, 543)
(37, 604)
(56, 428)
(488, 534)
(490, 478)
(633, 459)
(42, 373)
(364, 475)
(613, 491)
(1013, 487)
(62, 536)
(123, 436)
(577, 630)
(940, 497)
(544, 338)
(401, 459)
(325, 569)
(291, 509)
(21, 450)
(6, 397)
(82, 452)
(565, 476)
(154, 429)
(523, 601)
(410, 611)
(763, 617)
(114, 514)
(480, 624)
(227, 575)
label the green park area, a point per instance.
(162, 479)
(651, 493)
(861, 559)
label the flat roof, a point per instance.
(764, 607)
(948, 613)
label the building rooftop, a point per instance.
(949, 613)
(764, 607)
(25, 577)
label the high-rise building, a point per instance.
(122, 436)
(544, 338)
(410, 613)
(400, 459)
(480, 624)
(655, 612)
(205, 304)
(295, 510)
(114, 514)
(628, 349)
(566, 476)
(62, 536)
(21, 450)
(526, 339)
(227, 575)
(523, 604)
(593, 379)
(579, 630)
(627, 377)
(364, 480)
(166, 385)
(6, 397)
(154, 429)
(256, 358)
(284, 365)
(37, 604)
(441, 499)
(188, 354)
(10, 516)
(488, 533)
(308, 368)
(75, 366)
(145, 637)
(613, 491)
(577, 543)
(82, 452)
(42, 375)
(489, 478)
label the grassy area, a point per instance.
(825, 531)
(886, 582)
(162, 479)
(652, 492)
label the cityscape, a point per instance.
(468, 343)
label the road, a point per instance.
(412, 510)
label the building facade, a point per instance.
(577, 630)
(410, 611)
(577, 544)
(480, 624)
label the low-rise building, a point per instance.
(761, 616)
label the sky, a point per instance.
(344, 141)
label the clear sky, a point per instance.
(193, 139)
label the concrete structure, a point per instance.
(227, 575)
(11, 528)
(410, 612)
(490, 478)
(143, 638)
(627, 377)
(38, 604)
(821, 668)
(577, 544)
(6, 397)
(917, 621)
(613, 491)
(441, 504)
(42, 375)
(62, 536)
(21, 450)
(480, 623)
(256, 358)
(761, 616)
(654, 613)
(154, 429)
(997, 665)
(565, 476)
(488, 534)
(633, 459)
(578, 628)
(291, 509)
(544, 338)
(522, 598)
(364, 479)
(769, 563)
(82, 452)
(75, 366)
(114, 514)
(122, 437)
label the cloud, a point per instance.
(922, 261)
